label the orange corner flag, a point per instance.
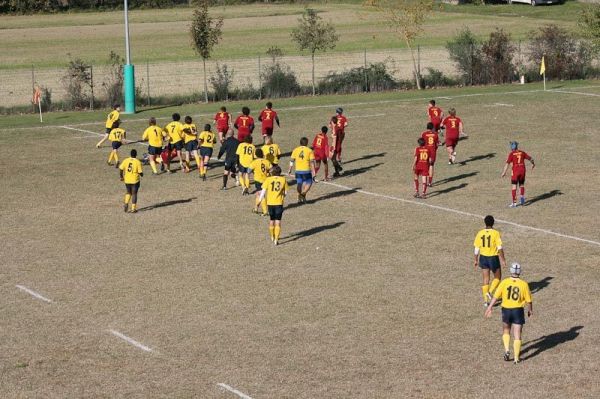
(543, 67)
(37, 96)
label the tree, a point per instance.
(206, 33)
(589, 22)
(465, 51)
(406, 17)
(313, 34)
(498, 54)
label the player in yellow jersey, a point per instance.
(190, 139)
(112, 117)
(271, 150)
(304, 160)
(245, 152)
(261, 168)
(154, 136)
(130, 172)
(207, 141)
(273, 190)
(489, 256)
(174, 130)
(116, 138)
(515, 294)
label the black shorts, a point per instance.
(116, 145)
(191, 146)
(258, 186)
(176, 146)
(108, 130)
(244, 169)
(206, 152)
(275, 212)
(132, 187)
(513, 316)
(230, 166)
(489, 262)
(154, 150)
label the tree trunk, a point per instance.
(313, 72)
(415, 70)
(205, 82)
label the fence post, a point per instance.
(92, 87)
(259, 80)
(366, 74)
(32, 85)
(148, 81)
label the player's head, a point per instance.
(334, 120)
(339, 110)
(259, 153)
(324, 129)
(116, 124)
(223, 109)
(269, 105)
(246, 111)
(176, 117)
(230, 133)
(207, 127)
(452, 111)
(133, 153)
(188, 119)
(117, 107)
(152, 121)
(432, 103)
(304, 141)
(514, 145)
(429, 125)
(489, 221)
(515, 269)
(248, 139)
(421, 141)
(276, 171)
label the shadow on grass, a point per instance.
(477, 158)
(543, 197)
(334, 194)
(536, 286)
(447, 190)
(359, 171)
(364, 157)
(454, 178)
(310, 232)
(542, 344)
(166, 203)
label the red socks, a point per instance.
(514, 194)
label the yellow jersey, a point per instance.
(488, 241)
(154, 135)
(302, 157)
(514, 292)
(275, 187)
(192, 135)
(117, 134)
(272, 152)
(174, 131)
(132, 168)
(261, 168)
(246, 153)
(207, 139)
(112, 118)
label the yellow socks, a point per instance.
(494, 285)
(517, 348)
(277, 232)
(133, 207)
(110, 156)
(153, 166)
(127, 198)
(116, 157)
(272, 232)
(247, 181)
(506, 341)
(485, 289)
(197, 161)
(263, 205)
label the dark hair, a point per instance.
(421, 141)
(452, 111)
(176, 116)
(489, 221)
(339, 110)
(324, 129)
(116, 106)
(224, 109)
(259, 153)
(303, 141)
(116, 124)
(152, 121)
(432, 102)
(246, 111)
(269, 105)
(207, 127)
(429, 125)
(133, 153)
(276, 170)
(248, 139)
(334, 119)
(188, 119)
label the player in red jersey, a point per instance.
(266, 117)
(338, 133)
(454, 129)
(517, 158)
(320, 147)
(432, 141)
(244, 124)
(421, 165)
(223, 123)
(435, 114)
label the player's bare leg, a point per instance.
(102, 140)
(430, 178)
(517, 328)
(305, 189)
(514, 196)
(424, 182)
(317, 167)
(416, 186)
(451, 155)
(506, 340)
(326, 167)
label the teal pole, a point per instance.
(128, 69)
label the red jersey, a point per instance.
(435, 115)
(517, 158)
(222, 120)
(452, 123)
(267, 116)
(342, 122)
(320, 143)
(423, 155)
(245, 126)
(432, 139)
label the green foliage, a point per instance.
(278, 80)
(46, 98)
(436, 78)
(221, 83)
(375, 77)
(77, 82)
(465, 51)
(589, 22)
(113, 82)
(313, 34)
(205, 30)
(497, 54)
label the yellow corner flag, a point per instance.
(543, 67)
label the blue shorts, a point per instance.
(275, 212)
(513, 316)
(489, 262)
(303, 178)
(116, 144)
(154, 150)
(191, 146)
(176, 146)
(206, 152)
(244, 169)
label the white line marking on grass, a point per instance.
(366, 116)
(131, 341)
(33, 293)
(459, 212)
(576, 92)
(233, 390)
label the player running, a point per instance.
(229, 148)
(432, 141)
(515, 294)
(175, 131)
(130, 172)
(274, 190)
(435, 115)
(267, 117)
(320, 147)
(338, 133)
(489, 256)
(222, 123)
(190, 138)
(116, 138)
(517, 158)
(154, 136)
(271, 150)
(245, 152)
(244, 124)
(261, 168)
(207, 141)
(304, 160)
(421, 165)
(112, 117)
(454, 129)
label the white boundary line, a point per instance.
(33, 293)
(367, 116)
(131, 341)
(576, 92)
(233, 390)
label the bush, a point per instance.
(46, 98)
(465, 51)
(436, 78)
(497, 55)
(278, 80)
(221, 83)
(375, 77)
(77, 82)
(113, 83)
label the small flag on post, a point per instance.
(543, 70)
(37, 100)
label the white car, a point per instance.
(536, 2)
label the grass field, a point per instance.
(371, 294)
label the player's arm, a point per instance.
(291, 166)
(414, 165)
(461, 131)
(532, 162)
(221, 151)
(260, 119)
(501, 256)
(121, 174)
(263, 192)
(251, 127)
(508, 161)
(277, 121)
(476, 260)
(312, 168)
